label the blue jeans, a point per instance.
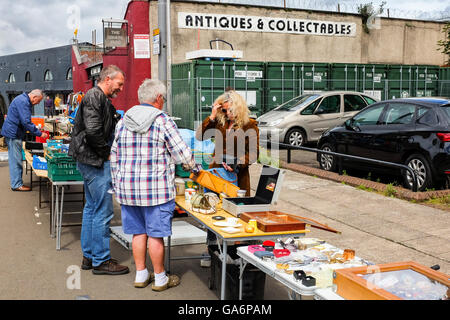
(15, 162)
(97, 213)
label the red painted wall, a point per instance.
(136, 70)
(80, 78)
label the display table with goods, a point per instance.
(55, 165)
(62, 173)
(232, 226)
(228, 229)
(302, 265)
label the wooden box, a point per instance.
(273, 221)
(392, 281)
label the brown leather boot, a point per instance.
(86, 264)
(110, 267)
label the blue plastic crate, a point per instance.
(39, 164)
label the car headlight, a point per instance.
(275, 122)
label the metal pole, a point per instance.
(169, 59)
(162, 57)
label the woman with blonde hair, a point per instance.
(236, 136)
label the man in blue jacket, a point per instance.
(18, 121)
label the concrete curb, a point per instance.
(400, 192)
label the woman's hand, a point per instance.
(214, 110)
(227, 167)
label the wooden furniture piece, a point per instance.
(392, 281)
(269, 221)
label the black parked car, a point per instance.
(413, 131)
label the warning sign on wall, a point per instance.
(141, 46)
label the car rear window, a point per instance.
(427, 116)
(446, 110)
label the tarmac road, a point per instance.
(378, 228)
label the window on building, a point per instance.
(28, 76)
(11, 78)
(48, 76)
(69, 74)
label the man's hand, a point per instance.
(44, 135)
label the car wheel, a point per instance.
(296, 138)
(327, 162)
(422, 170)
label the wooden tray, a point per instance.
(273, 221)
(366, 283)
(286, 224)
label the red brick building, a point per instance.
(87, 60)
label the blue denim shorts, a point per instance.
(155, 221)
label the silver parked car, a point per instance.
(304, 118)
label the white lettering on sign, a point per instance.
(247, 74)
(265, 24)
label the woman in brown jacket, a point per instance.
(236, 136)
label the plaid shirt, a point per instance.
(143, 165)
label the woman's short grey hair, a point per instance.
(150, 89)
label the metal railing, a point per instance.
(340, 156)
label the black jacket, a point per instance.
(93, 129)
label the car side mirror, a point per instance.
(349, 125)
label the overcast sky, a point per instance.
(27, 25)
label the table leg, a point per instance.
(224, 270)
(31, 179)
(240, 279)
(59, 221)
(52, 213)
(40, 193)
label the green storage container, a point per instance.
(282, 83)
(413, 81)
(444, 82)
(426, 81)
(400, 81)
(373, 79)
(313, 77)
(345, 77)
